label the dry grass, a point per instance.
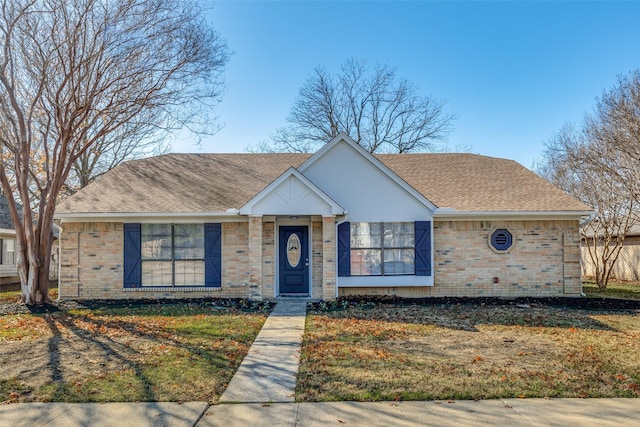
(179, 352)
(14, 293)
(623, 289)
(468, 352)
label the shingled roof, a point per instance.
(5, 216)
(207, 183)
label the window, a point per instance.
(7, 257)
(501, 239)
(382, 248)
(172, 255)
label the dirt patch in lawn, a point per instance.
(381, 351)
(156, 352)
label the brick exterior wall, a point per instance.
(543, 261)
(92, 255)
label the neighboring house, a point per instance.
(338, 222)
(627, 266)
(8, 271)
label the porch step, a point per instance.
(305, 298)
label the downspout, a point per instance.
(345, 217)
(59, 260)
(582, 224)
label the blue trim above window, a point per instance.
(132, 267)
(344, 252)
(501, 239)
(423, 248)
(213, 255)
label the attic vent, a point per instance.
(501, 239)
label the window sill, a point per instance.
(384, 281)
(174, 289)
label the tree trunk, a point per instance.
(33, 269)
(601, 278)
(35, 290)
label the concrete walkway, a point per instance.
(268, 372)
(512, 412)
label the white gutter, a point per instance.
(588, 220)
(582, 224)
(129, 216)
(59, 260)
(453, 214)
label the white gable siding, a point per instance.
(291, 197)
(362, 189)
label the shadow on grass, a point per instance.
(62, 390)
(466, 314)
(87, 356)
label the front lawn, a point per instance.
(615, 289)
(156, 352)
(466, 351)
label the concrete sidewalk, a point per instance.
(520, 412)
(268, 371)
(499, 412)
(156, 414)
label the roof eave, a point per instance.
(229, 215)
(455, 215)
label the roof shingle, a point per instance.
(5, 215)
(191, 183)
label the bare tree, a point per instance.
(615, 127)
(600, 165)
(74, 73)
(381, 112)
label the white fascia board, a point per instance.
(8, 231)
(125, 217)
(377, 163)
(336, 209)
(448, 214)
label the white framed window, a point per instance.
(172, 254)
(382, 248)
(8, 257)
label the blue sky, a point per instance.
(513, 72)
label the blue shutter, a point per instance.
(213, 255)
(132, 262)
(423, 247)
(344, 249)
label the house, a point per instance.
(8, 270)
(338, 222)
(627, 266)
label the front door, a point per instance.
(294, 260)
